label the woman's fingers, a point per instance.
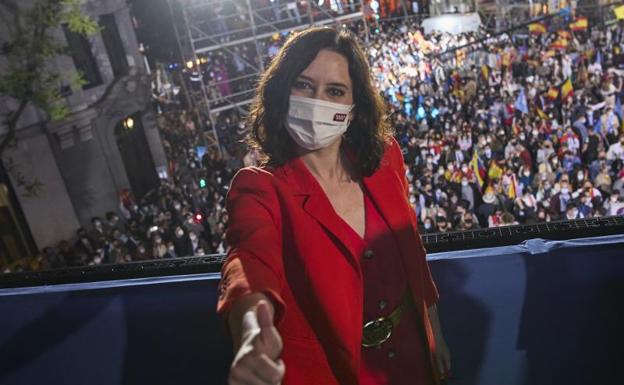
(268, 370)
(269, 342)
(257, 369)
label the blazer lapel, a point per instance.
(317, 205)
(385, 191)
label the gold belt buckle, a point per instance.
(376, 332)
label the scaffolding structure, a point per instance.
(214, 35)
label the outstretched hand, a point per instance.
(257, 360)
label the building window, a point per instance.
(80, 50)
(114, 45)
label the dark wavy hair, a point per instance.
(368, 132)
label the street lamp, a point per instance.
(128, 123)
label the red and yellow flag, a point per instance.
(553, 93)
(537, 28)
(579, 24)
(560, 44)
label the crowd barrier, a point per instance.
(537, 312)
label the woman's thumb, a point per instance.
(265, 317)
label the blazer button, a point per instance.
(368, 254)
(382, 304)
(391, 353)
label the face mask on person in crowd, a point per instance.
(564, 191)
(179, 233)
(580, 175)
(193, 237)
(427, 225)
(314, 123)
(464, 182)
(527, 173)
(488, 152)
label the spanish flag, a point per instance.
(541, 114)
(553, 93)
(619, 12)
(485, 70)
(567, 89)
(564, 34)
(537, 28)
(559, 44)
(579, 24)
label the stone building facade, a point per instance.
(86, 160)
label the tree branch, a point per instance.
(12, 125)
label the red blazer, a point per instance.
(287, 242)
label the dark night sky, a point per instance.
(156, 30)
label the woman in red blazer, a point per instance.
(326, 280)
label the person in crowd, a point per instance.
(84, 245)
(333, 185)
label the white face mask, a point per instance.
(314, 123)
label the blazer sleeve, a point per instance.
(254, 258)
(398, 164)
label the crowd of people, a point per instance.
(514, 129)
(183, 216)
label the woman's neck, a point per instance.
(328, 164)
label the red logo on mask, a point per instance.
(340, 117)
